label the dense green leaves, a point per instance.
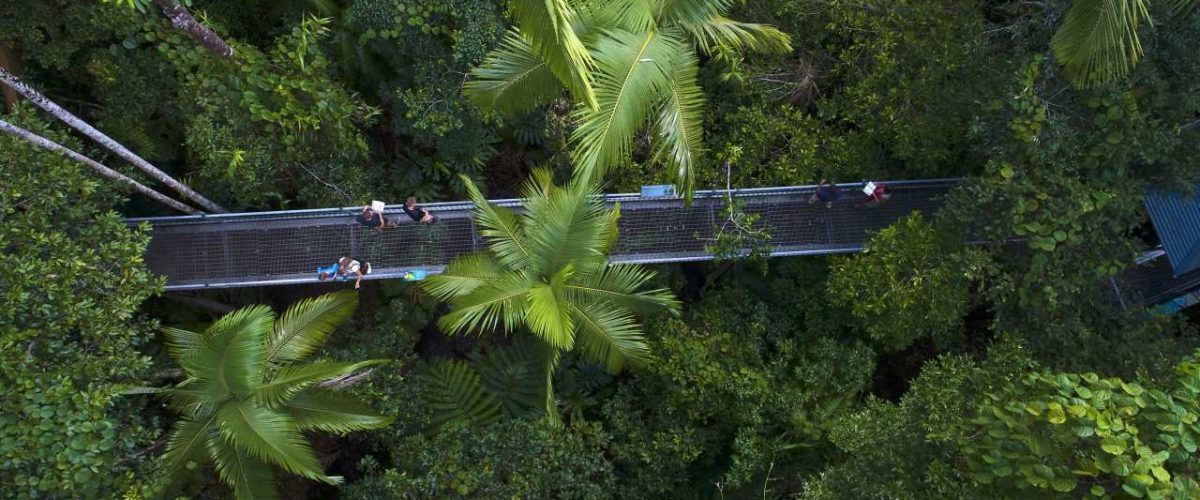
(546, 270)
(250, 409)
(71, 282)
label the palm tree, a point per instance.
(631, 63)
(74, 122)
(182, 19)
(104, 171)
(546, 271)
(1098, 40)
(247, 398)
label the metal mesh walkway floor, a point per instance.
(276, 248)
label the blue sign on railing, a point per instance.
(658, 191)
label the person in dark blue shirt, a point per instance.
(826, 193)
(371, 218)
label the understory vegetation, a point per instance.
(974, 352)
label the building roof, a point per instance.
(1176, 219)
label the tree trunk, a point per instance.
(101, 169)
(42, 102)
(183, 20)
(7, 62)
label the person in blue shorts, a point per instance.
(326, 272)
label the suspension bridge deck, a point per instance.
(278, 248)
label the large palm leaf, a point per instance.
(328, 411)
(245, 401)
(513, 79)
(631, 79)
(548, 27)
(1098, 40)
(680, 121)
(559, 287)
(306, 325)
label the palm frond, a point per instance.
(618, 285)
(548, 27)
(328, 411)
(512, 79)
(270, 436)
(464, 275)
(234, 351)
(187, 444)
(183, 346)
(513, 376)
(250, 478)
(1098, 41)
(609, 336)
(678, 12)
(198, 398)
(565, 228)
(453, 392)
(487, 307)
(1183, 7)
(549, 315)
(290, 380)
(499, 226)
(638, 16)
(631, 78)
(306, 325)
(721, 33)
(681, 122)
(536, 194)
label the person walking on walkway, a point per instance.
(826, 193)
(348, 267)
(875, 194)
(326, 272)
(343, 269)
(417, 213)
(372, 216)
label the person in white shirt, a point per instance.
(348, 266)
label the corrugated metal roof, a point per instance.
(1177, 220)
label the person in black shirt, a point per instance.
(370, 218)
(417, 213)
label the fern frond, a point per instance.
(453, 392)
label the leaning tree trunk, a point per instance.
(42, 102)
(43, 142)
(183, 20)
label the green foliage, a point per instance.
(913, 280)
(1098, 43)
(628, 64)
(246, 401)
(740, 234)
(905, 448)
(516, 458)
(72, 281)
(410, 56)
(546, 270)
(746, 383)
(269, 125)
(1087, 435)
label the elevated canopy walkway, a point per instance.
(278, 248)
